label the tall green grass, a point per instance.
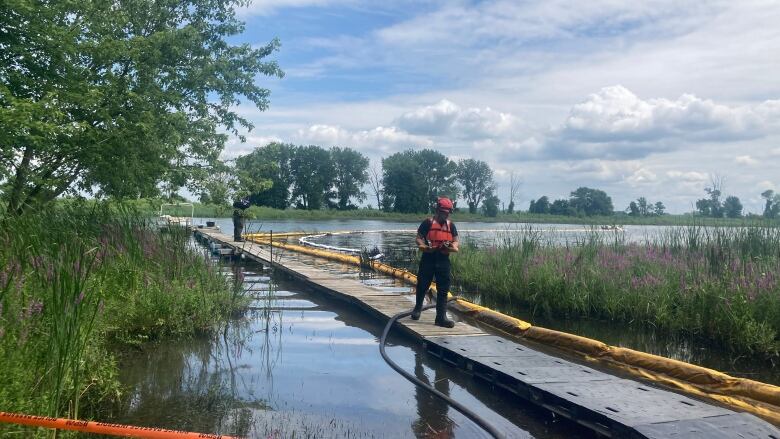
(79, 281)
(718, 284)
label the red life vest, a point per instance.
(439, 233)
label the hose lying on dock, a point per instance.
(418, 382)
(755, 397)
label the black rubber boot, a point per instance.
(441, 314)
(416, 313)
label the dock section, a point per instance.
(606, 404)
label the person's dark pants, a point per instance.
(433, 266)
(238, 227)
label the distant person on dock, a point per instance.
(437, 237)
(238, 218)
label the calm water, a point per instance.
(398, 237)
(301, 364)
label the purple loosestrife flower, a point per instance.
(33, 308)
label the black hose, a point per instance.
(458, 406)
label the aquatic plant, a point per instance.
(78, 280)
(718, 284)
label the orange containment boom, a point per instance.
(103, 427)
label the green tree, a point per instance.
(542, 205)
(732, 207)
(476, 178)
(643, 206)
(228, 182)
(114, 98)
(712, 206)
(772, 206)
(438, 174)
(351, 173)
(703, 205)
(313, 173)
(633, 209)
(562, 207)
(405, 189)
(490, 205)
(413, 180)
(270, 162)
(659, 208)
(591, 202)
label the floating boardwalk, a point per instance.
(606, 404)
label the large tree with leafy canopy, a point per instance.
(476, 177)
(272, 163)
(351, 173)
(438, 174)
(405, 189)
(413, 180)
(312, 175)
(115, 98)
(589, 202)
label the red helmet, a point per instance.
(444, 203)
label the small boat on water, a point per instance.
(171, 220)
(612, 228)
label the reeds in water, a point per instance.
(77, 280)
(719, 284)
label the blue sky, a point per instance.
(637, 98)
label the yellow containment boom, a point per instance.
(743, 394)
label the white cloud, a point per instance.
(267, 7)
(603, 170)
(447, 118)
(641, 176)
(764, 185)
(690, 176)
(525, 22)
(235, 148)
(383, 138)
(617, 114)
(745, 160)
(615, 123)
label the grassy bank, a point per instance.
(718, 284)
(77, 283)
(267, 213)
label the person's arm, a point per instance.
(454, 245)
(425, 248)
(453, 248)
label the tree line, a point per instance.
(281, 175)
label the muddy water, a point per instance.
(300, 365)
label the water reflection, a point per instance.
(432, 421)
(298, 364)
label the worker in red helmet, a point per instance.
(437, 237)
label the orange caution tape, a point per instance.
(102, 427)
